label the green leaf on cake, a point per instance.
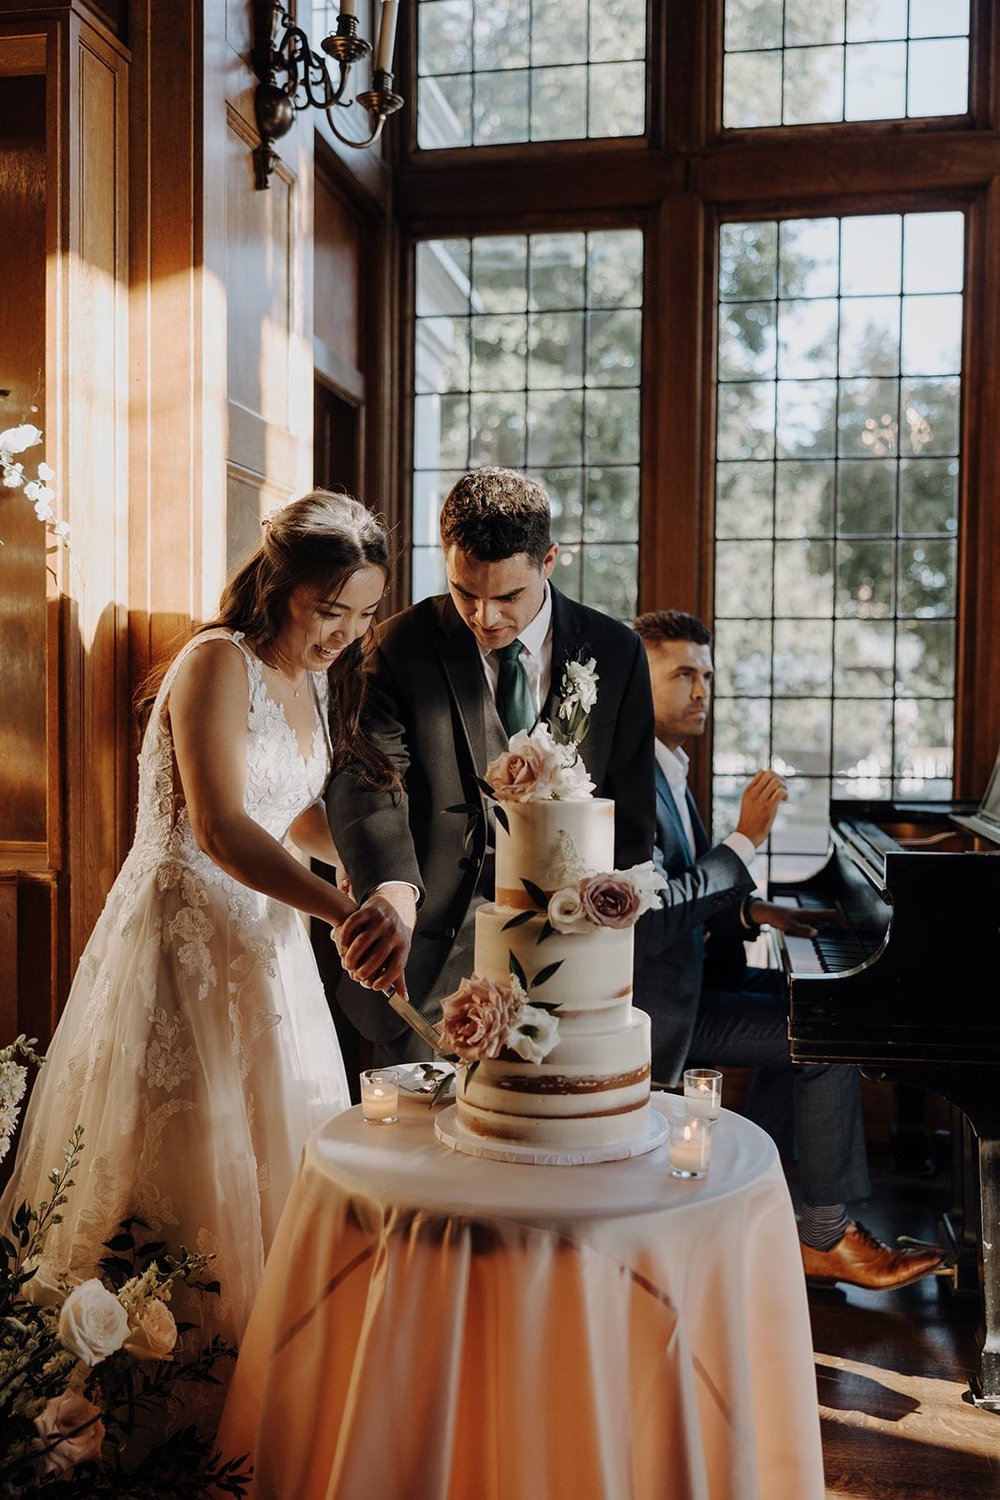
(465, 807)
(518, 921)
(501, 818)
(546, 973)
(536, 893)
(485, 788)
(514, 965)
(547, 930)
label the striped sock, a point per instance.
(823, 1224)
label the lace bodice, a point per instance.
(280, 782)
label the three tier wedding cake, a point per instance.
(553, 1056)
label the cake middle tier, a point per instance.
(592, 985)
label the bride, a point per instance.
(196, 1049)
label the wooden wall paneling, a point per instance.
(89, 371)
(977, 727)
(268, 281)
(23, 563)
(172, 421)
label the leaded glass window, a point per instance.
(500, 71)
(839, 380)
(799, 62)
(527, 353)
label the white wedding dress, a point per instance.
(196, 1049)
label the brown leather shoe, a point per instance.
(862, 1260)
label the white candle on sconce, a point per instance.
(386, 36)
(690, 1147)
(347, 8)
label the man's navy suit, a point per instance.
(709, 1009)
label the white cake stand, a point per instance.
(453, 1133)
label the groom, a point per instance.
(450, 679)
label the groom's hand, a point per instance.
(374, 941)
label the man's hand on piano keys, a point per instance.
(796, 921)
(763, 795)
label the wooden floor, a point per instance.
(893, 1369)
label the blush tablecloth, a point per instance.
(436, 1326)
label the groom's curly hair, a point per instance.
(493, 514)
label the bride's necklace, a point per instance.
(295, 691)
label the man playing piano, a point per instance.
(709, 1008)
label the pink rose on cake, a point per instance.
(616, 899)
(534, 768)
(610, 900)
(476, 1019)
(482, 1018)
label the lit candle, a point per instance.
(386, 36)
(703, 1092)
(690, 1147)
(379, 1096)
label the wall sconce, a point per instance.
(293, 77)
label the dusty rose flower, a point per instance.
(66, 1414)
(529, 769)
(92, 1322)
(610, 900)
(565, 911)
(476, 1019)
(153, 1332)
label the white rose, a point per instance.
(648, 883)
(572, 783)
(535, 1034)
(153, 1332)
(566, 913)
(92, 1322)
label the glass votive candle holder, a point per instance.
(703, 1092)
(690, 1147)
(379, 1096)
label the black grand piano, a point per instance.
(910, 988)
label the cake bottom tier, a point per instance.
(584, 1102)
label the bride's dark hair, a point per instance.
(316, 542)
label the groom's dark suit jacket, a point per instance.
(695, 940)
(431, 712)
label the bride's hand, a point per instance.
(374, 941)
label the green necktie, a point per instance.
(514, 703)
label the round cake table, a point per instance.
(437, 1326)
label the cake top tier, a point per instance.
(552, 845)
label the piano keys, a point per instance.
(909, 988)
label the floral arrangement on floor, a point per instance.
(13, 442)
(90, 1373)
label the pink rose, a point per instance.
(80, 1421)
(476, 1019)
(610, 900)
(529, 769)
